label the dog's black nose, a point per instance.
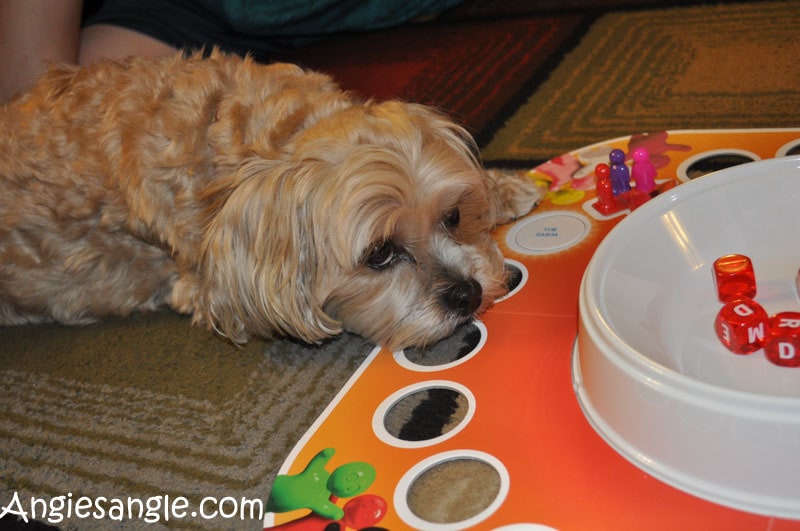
(463, 297)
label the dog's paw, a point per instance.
(514, 194)
(184, 293)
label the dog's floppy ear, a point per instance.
(259, 259)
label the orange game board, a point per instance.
(523, 418)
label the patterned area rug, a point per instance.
(471, 70)
(711, 67)
(152, 407)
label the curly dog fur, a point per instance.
(262, 199)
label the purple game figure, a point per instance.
(643, 171)
(620, 175)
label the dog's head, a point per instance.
(377, 222)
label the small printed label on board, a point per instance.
(548, 233)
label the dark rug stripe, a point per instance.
(536, 78)
(472, 70)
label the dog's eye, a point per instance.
(451, 218)
(382, 255)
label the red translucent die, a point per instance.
(783, 344)
(742, 325)
(734, 277)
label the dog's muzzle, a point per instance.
(464, 297)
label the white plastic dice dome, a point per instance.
(649, 372)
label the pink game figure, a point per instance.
(620, 175)
(643, 171)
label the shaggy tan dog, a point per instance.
(261, 199)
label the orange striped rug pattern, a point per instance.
(703, 67)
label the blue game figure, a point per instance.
(620, 175)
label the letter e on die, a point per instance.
(742, 325)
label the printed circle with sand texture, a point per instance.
(452, 490)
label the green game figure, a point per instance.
(316, 489)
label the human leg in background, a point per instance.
(34, 33)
